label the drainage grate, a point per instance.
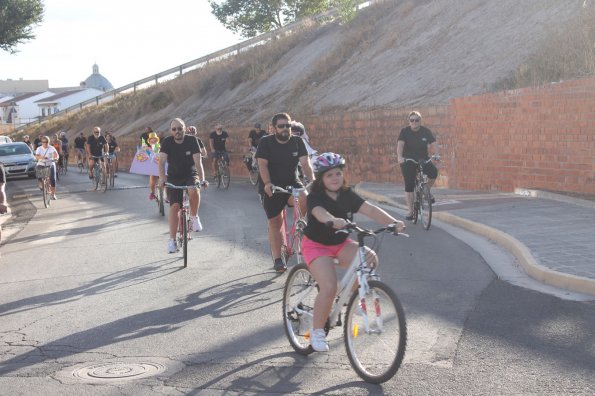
(118, 371)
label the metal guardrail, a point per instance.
(221, 54)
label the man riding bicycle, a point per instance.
(253, 139)
(182, 154)
(113, 151)
(217, 140)
(64, 140)
(278, 156)
(96, 147)
(79, 147)
(415, 142)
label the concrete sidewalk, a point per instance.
(552, 236)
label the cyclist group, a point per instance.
(330, 205)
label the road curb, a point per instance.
(519, 250)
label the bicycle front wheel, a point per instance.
(425, 207)
(376, 348)
(105, 178)
(45, 194)
(97, 179)
(185, 238)
(254, 176)
(416, 205)
(112, 177)
(298, 308)
(225, 178)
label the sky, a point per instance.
(128, 39)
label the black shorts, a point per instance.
(408, 170)
(175, 196)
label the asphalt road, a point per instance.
(91, 303)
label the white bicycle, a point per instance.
(375, 330)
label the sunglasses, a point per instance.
(178, 129)
(283, 126)
(414, 120)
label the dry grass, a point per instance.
(566, 54)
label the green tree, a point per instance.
(17, 19)
(252, 17)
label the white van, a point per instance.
(5, 139)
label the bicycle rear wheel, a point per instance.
(97, 179)
(299, 294)
(254, 176)
(425, 207)
(375, 355)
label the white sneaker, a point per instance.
(196, 225)
(172, 247)
(318, 340)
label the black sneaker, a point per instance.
(432, 200)
(279, 266)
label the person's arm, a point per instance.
(249, 140)
(211, 144)
(323, 216)
(265, 175)
(400, 147)
(379, 215)
(199, 168)
(307, 167)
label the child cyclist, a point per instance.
(330, 200)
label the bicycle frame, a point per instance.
(291, 236)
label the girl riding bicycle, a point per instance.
(331, 201)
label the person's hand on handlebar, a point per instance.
(399, 226)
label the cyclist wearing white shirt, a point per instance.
(44, 154)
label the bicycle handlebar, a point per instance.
(351, 227)
(433, 157)
(174, 187)
(288, 189)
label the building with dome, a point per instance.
(97, 81)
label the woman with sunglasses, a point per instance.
(44, 155)
(415, 142)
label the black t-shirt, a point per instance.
(96, 145)
(219, 140)
(112, 146)
(180, 164)
(79, 142)
(255, 136)
(36, 143)
(347, 203)
(283, 160)
(416, 143)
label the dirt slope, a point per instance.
(395, 53)
(399, 53)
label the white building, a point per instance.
(21, 109)
(55, 103)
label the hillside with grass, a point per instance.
(393, 54)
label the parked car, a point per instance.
(5, 139)
(18, 159)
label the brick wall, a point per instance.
(541, 137)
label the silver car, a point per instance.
(18, 159)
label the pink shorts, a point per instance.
(312, 250)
